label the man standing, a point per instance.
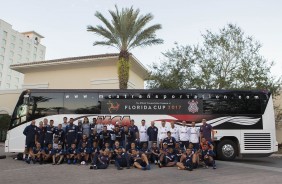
(184, 135)
(30, 131)
(128, 137)
(105, 137)
(65, 124)
(174, 131)
(152, 133)
(194, 133)
(207, 131)
(99, 125)
(49, 132)
(71, 134)
(162, 133)
(40, 134)
(143, 134)
(60, 134)
(134, 129)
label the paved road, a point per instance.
(266, 170)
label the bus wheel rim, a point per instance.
(228, 150)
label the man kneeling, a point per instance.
(186, 160)
(58, 155)
(101, 161)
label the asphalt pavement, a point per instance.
(256, 170)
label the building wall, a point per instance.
(8, 100)
(16, 48)
(96, 75)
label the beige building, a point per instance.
(86, 72)
(16, 48)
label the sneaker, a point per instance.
(53, 163)
(143, 168)
(69, 162)
(128, 167)
(206, 167)
(95, 167)
(27, 161)
(119, 168)
(91, 167)
(214, 166)
(148, 167)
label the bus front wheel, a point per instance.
(226, 150)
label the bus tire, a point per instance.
(2, 156)
(226, 150)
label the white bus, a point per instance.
(243, 121)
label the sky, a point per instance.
(63, 24)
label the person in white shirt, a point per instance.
(174, 131)
(143, 137)
(162, 133)
(99, 125)
(110, 125)
(184, 135)
(194, 133)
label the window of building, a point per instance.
(19, 58)
(2, 51)
(11, 54)
(5, 33)
(3, 42)
(13, 38)
(1, 59)
(12, 46)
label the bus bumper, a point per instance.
(276, 146)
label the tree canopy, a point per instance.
(227, 59)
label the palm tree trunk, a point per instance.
(123, 69)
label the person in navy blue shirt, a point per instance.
(58, 155)
(60, 134)
(72, 154)
(134, 129)
(167, 157)
(119, 134)
(94, 137)
(101, 160)
(186, 160)
(128, 137)
(207, 156)
(170, 140)
(79, 132)
(37, 154)
(40, 134)
(155, 153)
(94, 150)
(152, 133)
(49, 132)
(83, 153)
(105, 136)
(122, 159)
(71, 134)
(30, 132)
(47, 155)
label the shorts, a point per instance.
(29, 144)
(141, 162)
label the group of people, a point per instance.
(100, 143)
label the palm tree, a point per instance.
(125, 31)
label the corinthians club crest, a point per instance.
(193, 106)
